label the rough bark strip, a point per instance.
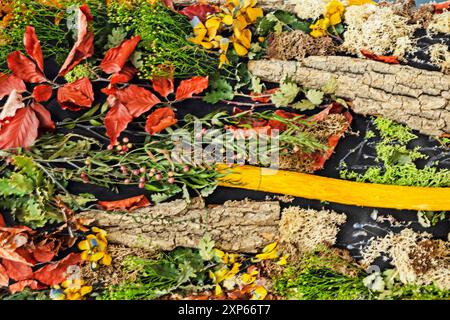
(242, 226)
(415, 97)
(265, 4)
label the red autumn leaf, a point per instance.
(116, 121)
(163, 85)
(45, 119)
(159, 120)
(278, 125)
(125, 75)
(198, 10)
(265, 96)
(440, 7)
(26, 255)
(24, 68)
(168, 4)
(385, 59)
(33, 47)
(44, 253)
(137, 100)
(8, 83)
(17, 271)
(42, 93)
(2, 221)
(125, 204)
(84, 46)
(32, 284)
(4, 279)
(116, 58)
(55, 273)
(20, 131)
(190, 87)
(77, 95)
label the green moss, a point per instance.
(392, 131)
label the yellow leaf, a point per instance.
(83, 245)
(240, 49)
(96, 256)
(85, 290)
(227, 19)
(246, 38)
(85, 255)
(282, 261)
(248, 278)
(360, 2)
(259, 293)
(212, 25)
(218, 290)
(107, 259)
(270, 247)
(223, 60)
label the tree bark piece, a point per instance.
(265, 4)
(242, 226)
(415, 97)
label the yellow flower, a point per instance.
(249, 277)
(334, 12)
(269, 252)
(259, 293)
(70, 289)
(213, 25)
(94, 248)
(319, 29)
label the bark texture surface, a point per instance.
(265, 4)
(242, 226)
(415, 97)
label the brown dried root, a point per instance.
(296, 45)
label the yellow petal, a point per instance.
(96, 256)
(282, 261)
(218, 290)
(254, 13)
(107, 259)
(335, 19)
(246, 38)
(259, 293)
(212, 25)
(247, 278)
(227, 19)
(270, 247)
(240, 49)
(85, 255)
(98, 230)
(83, 245)
(85, 290)
(223, 60)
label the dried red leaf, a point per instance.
(124, 76)
(45, 119)
(2, 221)
(33, 47)
(17, 271)
(8, 83)
(4, 279)
(199, 10)
(27, 255)
(116, 121)
(137, 100)
(24, 68)
(440, 7)
(116, 58)
(278, 125)
(188, 88)
(32, 284)
(125, 204)
(42, 93)
(84, 46)
(77, 95)
(159, 120)
(44, 253)
(55, 273)
(385, 59)
(168, 4)
(20, 131)
(265, 96)
(163, 85)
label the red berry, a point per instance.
(110, 147)
(158, 176)
(142, 170)
(126, 181)
(142, 179)
(136, 172)
(171, 180)
(125, 140)
(142, 185)
(186, 169)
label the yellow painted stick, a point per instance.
(335, 190)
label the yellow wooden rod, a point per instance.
(335, 190)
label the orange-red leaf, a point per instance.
(44, 253)
(190, 87)
(4, 279)
(24, 68)
(159, 120)
(20, 131)
(116, 121)
(45, 119)
(55, 273)
(440, 7)
(17, 271)
(125, 204)
(77, 95)
(124, 76)
(265, 96)
(2, 221)
(163, 85)
(199, 10)
(33, 47)
(42, 93)
(137, 100)
(84, 46)
(8, 83)
(278, 125)
(385, 59)
(32, 284)
(116, 58)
